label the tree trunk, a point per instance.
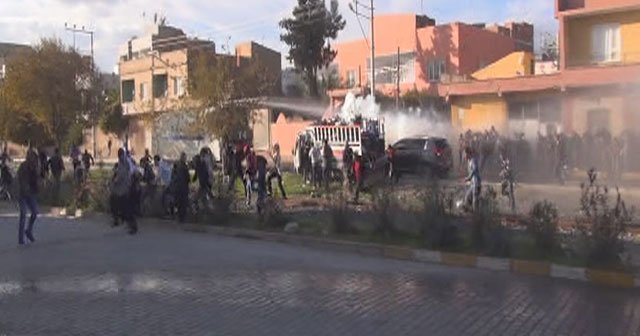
(312, 82)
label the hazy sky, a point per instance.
(225, 21)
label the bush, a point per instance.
(223, 201)
(271, 215)
(436, 220)
(602, 225)
(384, 207)
(488, 235)
(339, 211)
(542, 225)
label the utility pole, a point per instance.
(398, 80)
(373, 56)
(82, 30)
(354, 8)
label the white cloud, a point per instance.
(114, 21)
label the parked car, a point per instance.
(427, 155)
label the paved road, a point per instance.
(84, 278)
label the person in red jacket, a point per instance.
(391, 156)
(358, 170)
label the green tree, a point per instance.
(112, 119)
(224, 93)
(307, 34)
(43, 95)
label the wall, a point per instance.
(284, 132)
(391, 32)
(270, 59)
(441, 43)
(513, 65)
(173, 63)
(578, 35)
(479, 113)
(261, 131)
(620, 107)
(478, 47)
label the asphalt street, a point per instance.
(83, 277)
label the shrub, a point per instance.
(384, 207)
(542, 225)
(272, 215)
(436, 220)
(488, 235)
(602, 225)
(339, 211)
(223, 201)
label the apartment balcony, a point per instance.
(582, 7)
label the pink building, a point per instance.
(427, 53)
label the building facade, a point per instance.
(154, 76)
(6, 51)
(597, 85)
(414, 51)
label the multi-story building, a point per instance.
(6, 51)
(415, 51)
(597, 85)
(154, 74)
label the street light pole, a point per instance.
(82, 30)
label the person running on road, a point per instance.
(28, 176)
(472, 196)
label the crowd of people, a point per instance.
(132, 181)
(552, 154)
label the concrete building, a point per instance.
(597, 85)
(6, 51)
(425, 53)
(154, 74)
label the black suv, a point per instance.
(428, 155)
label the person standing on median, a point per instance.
(28, 190)
(121, 189)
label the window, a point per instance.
(160, 86)
(387, 68)
(605, 43)
(436, 68)
(351, 78)
(178, 86)
(128, 90)
(144, 91)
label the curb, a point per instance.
(537, 268)
(593, 276)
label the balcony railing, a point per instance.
(594, 59)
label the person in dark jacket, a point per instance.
(87, 161)
(202, 175)
(124, 206)
(44, 167)
(180, 185)
(28, 176)
(56, 165)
